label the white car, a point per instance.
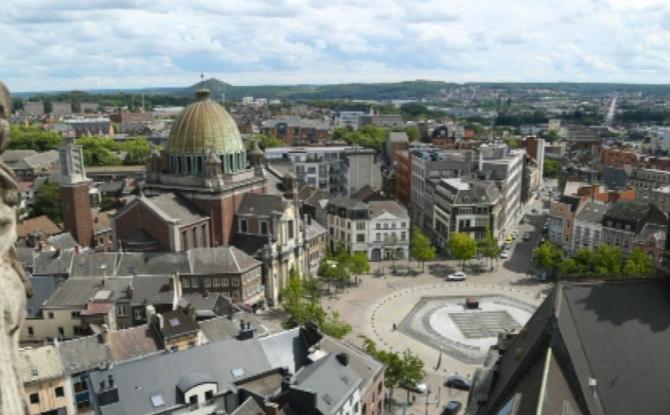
(457, 276)
(504, 254)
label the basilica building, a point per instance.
(206, 190)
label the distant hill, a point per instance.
(374, 91)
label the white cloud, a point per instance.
(64, 44)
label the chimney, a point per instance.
(271, 408)
(176, 289)
(110, 381)
(130, 290)
(150, 311)
(104, 333)
(343, 358)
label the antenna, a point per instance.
(202, 77)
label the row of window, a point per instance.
(188, 165)
(209, 282)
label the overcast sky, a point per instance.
(67, 44)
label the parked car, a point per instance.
(509, 239)
(458, 382)
(452, 408)
(542, 276)
(457, 276)
(505, 246)
(526, 236)
(504, 254)
(418, 388)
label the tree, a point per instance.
(638, 264)
(358, 263)
(413, 133)
(584, 260)
(34, 138)
(137, 150)
(405, 369)
(552, 168)
(568, 266)
(265, 141)
(99, 151)
(47, 202)
(548, 256)
(462, 246)
(302, 305)
(108, 202)
(488, 246)
(420, 247)
(607, 260)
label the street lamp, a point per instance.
(427, 400)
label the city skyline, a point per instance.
(59, 45)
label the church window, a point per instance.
(189, 167)
(179, 165)
(199, 165)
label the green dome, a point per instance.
(204, 126)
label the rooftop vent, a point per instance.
(343, 358)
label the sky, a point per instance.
(86, 44)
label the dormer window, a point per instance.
(243, 225)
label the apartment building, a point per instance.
(506, 169)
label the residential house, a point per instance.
(44, 381)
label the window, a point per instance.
(379, 226)
(360, 226)
(195, 236)
(191, 344)
(290, 229)
(59, 391)
(378, 236)
(186, 283)
(216, 282)
(243, 225)
(51, 316)
(31, 331)
(207, 282)
(360, 237)
(34, 398)
(402, 235)
(193, 399)
(224, 282)
(137, 313)
(121, 310)
(75, 314)
(184, 239)
(236, 282)
(195, 283)
(209, 395)
(264, 228)
(61, 331)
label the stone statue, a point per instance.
(13, 282)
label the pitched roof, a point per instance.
(572, 333)
(40, 223)
(83, 353)
(260, 204)
(250, 244)
(220, 260)
(53, 263)
(379, 207)
(39, 364)
(592, 212)
(140, 380)
(398, 137)
(219, 328)
(62, 241)
(43, 288)
(169, 206)
(76, 292)
(94, 264)
(288, 349)
(332, 381)
(149, 263)
(177, 323)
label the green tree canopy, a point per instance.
(462, 246)
(420, 247)
(552, 168)
(99, 151)
(638, 264)
(548, 256)
(369, 136)
(47, 202)
(413, 133)
(302, 305)
(265, 141)
(33, 137)
(138, 150)
(607, 260)
(488, 246)
(401, 369)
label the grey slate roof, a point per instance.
(330, 380)
(141, 263)
(249, 407)
(26, 256)
(259, 204)
(219, 328)
(314, 229)
(94, 264)
(628, 210)
(220, 260)
(154, 289)
(347, 203)
(75, 292)
(592, 212)
(62, 241)
(53, 263)
(250, 244)
(287, 349)
(364, 365)
(177, 323)
(43, 288)
(83, 353)
(139, 380)
(172, 208)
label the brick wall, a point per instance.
(77, 218)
